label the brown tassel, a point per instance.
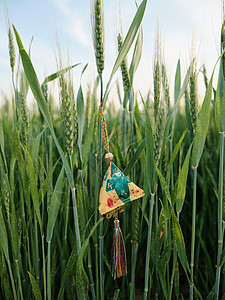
(118, 260)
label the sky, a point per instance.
(69, 22)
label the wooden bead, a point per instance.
(109, 156)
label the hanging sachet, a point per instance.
(117, 190)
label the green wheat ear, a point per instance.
(193, 97)
(12, 53)
(24, 126)
(98, 34)
(157, 88)
(45, 91)
(67, 114)
(6, 194)
(158, 136)
(166, 90)
(157, 74)
(123, 67)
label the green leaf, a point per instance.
(84, 68)
(14, 231)
(135, 157)
(218, 94)
(176, 93)
(88, 140)
(177, 83)
(131, 100)
(182, 181)
(33, 188)
(82, 281)
(177, 281)
(35, 287)
(163, 262)
(2, 145)
(179, 242)
(220, 101)
(139, 140)
(202, 127)
(25, 84)
(3, 236)
(174, 193)
(33, 80)
(21, 164)
(213, 180)
(57, 74)
(12, 169)
(149, 150)
(166, 134)
(174, 155)
(119, 94)
(5, 284)
(37, 92)
(211, 294)
(70, 265)
(222, 258)
(184, 85)
(164, 185)
(55, 205)
(159, 238)
(31, 41)
(116, 294)
(181, 93)
(128, 41)
(125, 99)
(72, 262)
(1, 136)
(80, 115)
(118, 155)
(35, 146)
(136, 55)
(81, 276)
(130, 36)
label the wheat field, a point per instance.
(54, 243)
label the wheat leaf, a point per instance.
(35, 287)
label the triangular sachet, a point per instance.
(117, 190)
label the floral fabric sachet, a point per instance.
(117, 190)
